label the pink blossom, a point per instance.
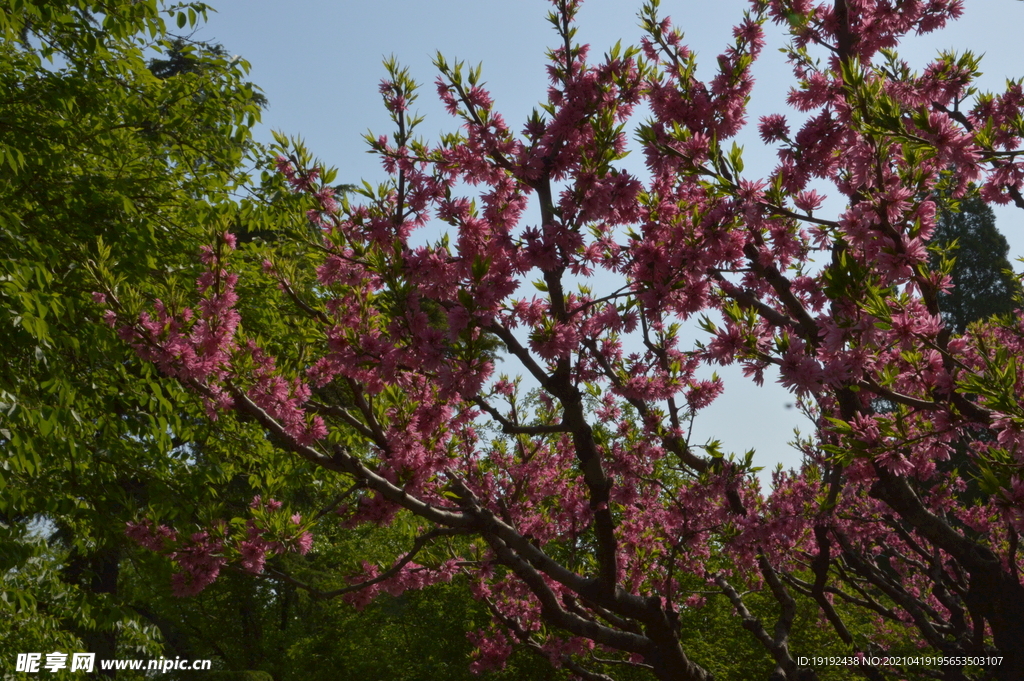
(773, 128)
(304, 543)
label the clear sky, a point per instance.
(319, 64)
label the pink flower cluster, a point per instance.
(200, 557)
(194, 346)
(410, 576)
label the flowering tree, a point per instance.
(569, 491)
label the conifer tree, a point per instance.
(983, 283)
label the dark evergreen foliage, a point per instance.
(983, 284)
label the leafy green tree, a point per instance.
(99, 154)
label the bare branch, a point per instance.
(513, 429)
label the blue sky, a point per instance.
(319, 64)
